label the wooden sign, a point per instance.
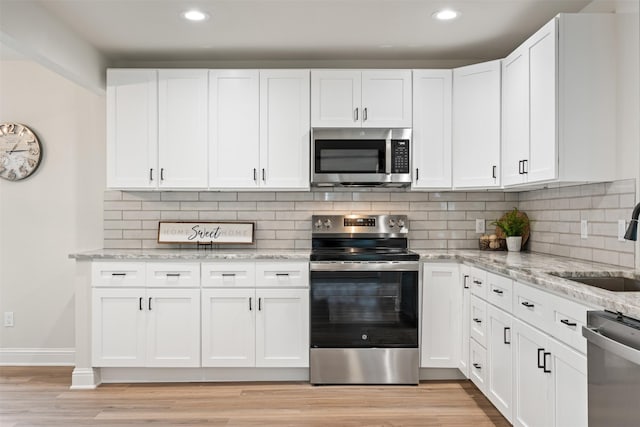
(206, 232)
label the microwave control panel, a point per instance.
(400, 156)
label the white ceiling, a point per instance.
(152, 30)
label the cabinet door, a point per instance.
(465, 277)
(336, 98)
(182, 128)
(132, 128)
(234, 135)
(173, 327)
(531, 385)
(476, 125)
(543, 150)
(284, 129)
(478, 324)
(282, 328)
(386, 98)
(500, 360)
(432, 128)
(441, 299)
(515, 116)
(228, 327)
(569, 390)
(118, 327)
(478, 365)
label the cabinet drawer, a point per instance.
(282, 274)
(117, 274)
(478, 282)
(478, 365)
(478, 320)
(229, 274)
(531, 305)
(500, 291)
(173, 274)
(567, 320)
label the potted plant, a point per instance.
(514, 224)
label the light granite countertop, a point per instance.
(191, 254)
(532, 268)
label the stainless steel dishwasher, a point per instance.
(613, 358)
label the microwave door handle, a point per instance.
(387, 155)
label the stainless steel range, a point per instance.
(364, 301)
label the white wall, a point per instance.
(56, 211)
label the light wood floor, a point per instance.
(40, 396)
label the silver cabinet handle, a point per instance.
(355, 115)
(606, 343)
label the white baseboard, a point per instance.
(37, 356)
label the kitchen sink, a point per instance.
(614, 283)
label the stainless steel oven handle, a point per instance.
(365, 266)
(612, 346)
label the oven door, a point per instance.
(364, 309)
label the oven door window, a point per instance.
(364, 309)
(350, 156)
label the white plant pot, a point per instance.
(514, 243)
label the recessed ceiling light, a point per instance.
(446, 14)
(195, 15)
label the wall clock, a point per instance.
(20, 151)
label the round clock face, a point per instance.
(20, 151)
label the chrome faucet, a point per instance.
(632, 231)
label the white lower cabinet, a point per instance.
(499, 360)
(478, 365)
(441, 299)
(146, 327)
(228, 327)
(255, 327)
(282, 328)
(463, 363)
(531, 383)
(550, 381)
(524, 350)
(255, 314)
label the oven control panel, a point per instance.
(360, 224)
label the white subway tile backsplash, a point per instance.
(180, 196)
(437, 220)
(217, 196)
(219, 215)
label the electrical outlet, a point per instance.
(584, 229)
(8, 318)
(622, 229)
(479, 225)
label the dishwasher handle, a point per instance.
(612, 346)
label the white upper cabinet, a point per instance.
(476, 126)
(432, 91)
(284, 129)
(259, 129)
(132, 128)
(352, 98)
(182, 125)
(559, 103)
(157, 128)
(234, 123)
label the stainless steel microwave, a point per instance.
(361, 157)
